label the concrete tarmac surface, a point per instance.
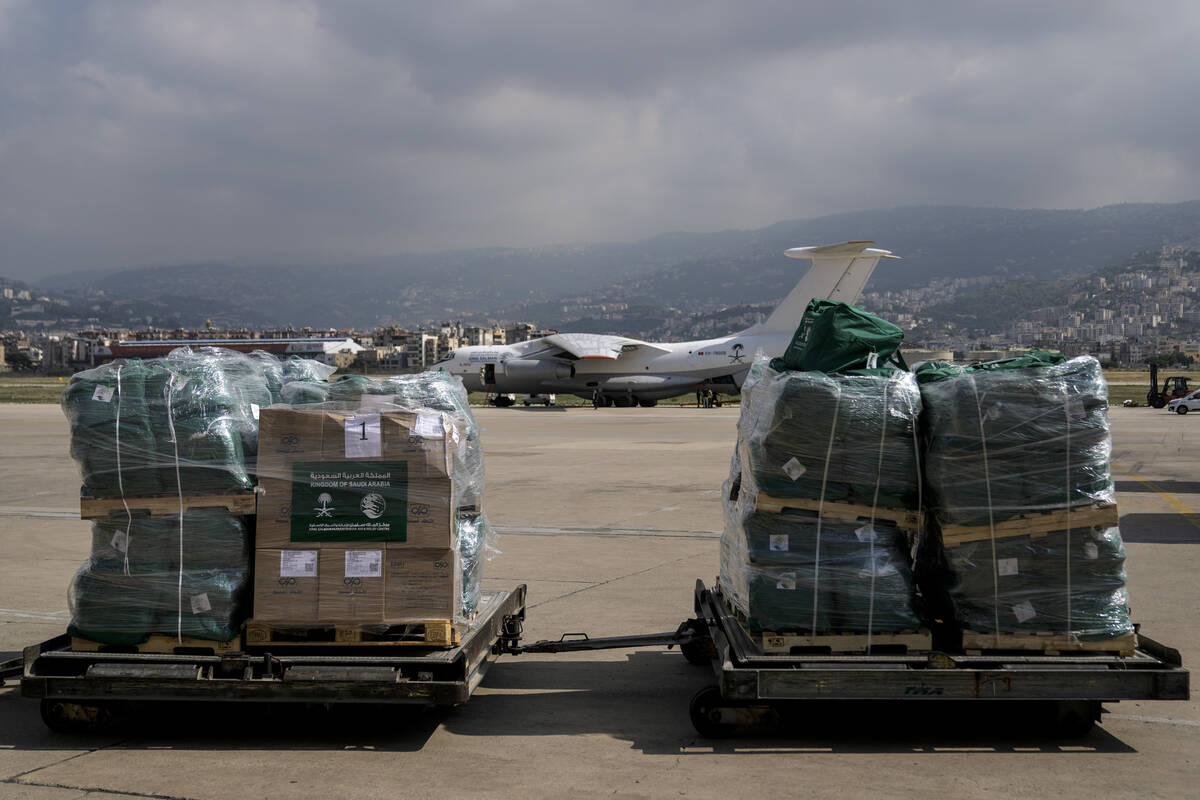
(609, 517)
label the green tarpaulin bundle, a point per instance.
(204, 539)
(839, 337)
(114, 608)
(183, 423)
(1014, 437)
(1062, 583)
(848, 438)
(794, 574)
(112, 439)
(176, 575)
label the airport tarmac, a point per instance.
(609, 517)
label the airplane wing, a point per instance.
(597, 345)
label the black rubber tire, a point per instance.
(1181, 409)
(1158, 401)
(1074, 719)
(64, 716)
(702, 710)
(647, 403)
(503, 402)
(700, 652)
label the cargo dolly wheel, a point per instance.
(66, 716)
(712, 715)
(700, 652)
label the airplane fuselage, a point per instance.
(622, 371)
(640, 374)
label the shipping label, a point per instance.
(298, 563)
(364, 563)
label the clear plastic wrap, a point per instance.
(1063, 583)
(817, 440)
(848, 438)
(381, 477)
(1023, 438)
(135, 583)
(1003, 442)
(183, 424)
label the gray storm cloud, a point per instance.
(135, 133)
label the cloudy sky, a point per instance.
(136, 133)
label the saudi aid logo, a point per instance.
(373, 505)
(324, 498)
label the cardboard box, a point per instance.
(354, 479)
(422, 584)
(285, 585)
(429, 517)
(285, 436)
(351, 585)
(273, 524)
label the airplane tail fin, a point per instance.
(838, 272)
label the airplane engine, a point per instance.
(523, 374)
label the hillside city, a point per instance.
(1145, 309)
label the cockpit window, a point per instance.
(448, 357)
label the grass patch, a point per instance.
(24, 389)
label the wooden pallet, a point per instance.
(416, 633)
(1033, 524)
(834, 643)
(161, 644)
(906, 519)
(241, 503)
(1048, 643)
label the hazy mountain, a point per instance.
(684, 270)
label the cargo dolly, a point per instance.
(81, 691)
(752, 687)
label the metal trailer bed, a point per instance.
(78, 689)
(752, 687)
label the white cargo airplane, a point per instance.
(615, 370)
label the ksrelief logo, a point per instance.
(373, 506)
(418, 510)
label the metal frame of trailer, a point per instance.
(77, 689)
(752, 687)
(751, 684)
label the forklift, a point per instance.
(1173, 387)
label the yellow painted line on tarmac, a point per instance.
(1173, 502)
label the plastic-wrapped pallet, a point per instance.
(818, 455)
(1017, 473)
(1022, 435)
(178, 426)
(370, 507)
(179, 575)
(848, 438)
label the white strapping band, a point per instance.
(821, 507)
(170, 392)
(874, 505)
(987, 484)
(120, 478)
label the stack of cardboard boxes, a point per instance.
(355, 518)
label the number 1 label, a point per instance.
(363, 439)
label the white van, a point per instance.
(539, 400)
